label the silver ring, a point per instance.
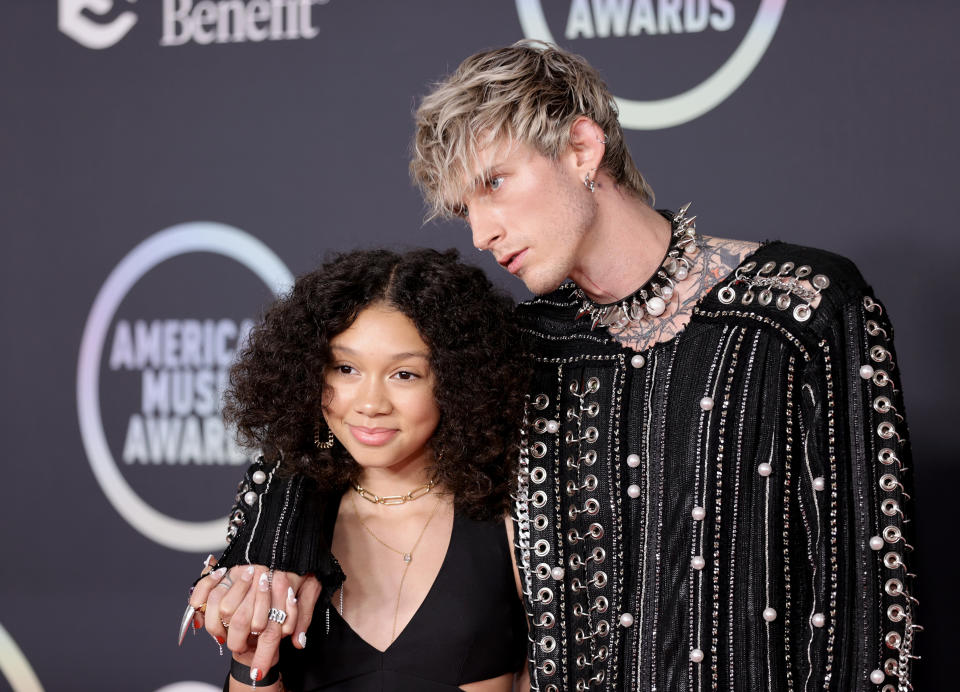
(226, 625)
(276, 615)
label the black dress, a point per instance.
(470, 627)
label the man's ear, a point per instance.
(586, 146)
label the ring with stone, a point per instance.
(276, 615)
(226, 625)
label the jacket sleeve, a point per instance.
(860, 621)
(278, 521)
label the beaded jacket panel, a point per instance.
(725, 510)
(278, 521)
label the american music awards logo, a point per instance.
(635, 42)
(153, 363)
(14, 666)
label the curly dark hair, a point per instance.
(276, 385)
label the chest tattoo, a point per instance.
(717, 259)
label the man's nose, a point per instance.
(486, 232)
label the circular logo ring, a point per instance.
(178, 240)
(676, 110)
(15, 666)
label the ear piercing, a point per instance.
(590, 184)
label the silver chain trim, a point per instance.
(522, 504)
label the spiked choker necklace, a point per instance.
(650, 300)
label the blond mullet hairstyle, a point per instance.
(530, 92)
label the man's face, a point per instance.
(530, 212)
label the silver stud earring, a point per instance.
(603, 140)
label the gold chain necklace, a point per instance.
(407, 557)
(414, 494)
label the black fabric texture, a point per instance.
(470, 627)
(283, 529)
(786, 392)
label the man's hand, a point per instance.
(238, 609)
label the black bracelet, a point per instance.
(241, 673)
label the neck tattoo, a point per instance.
(650, 300)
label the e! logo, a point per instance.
(77, 19)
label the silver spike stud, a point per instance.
(685, 223)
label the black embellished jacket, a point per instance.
(725, 510)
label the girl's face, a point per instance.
(379, 399)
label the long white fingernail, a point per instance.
(302, 638)
(264, 582)
(206, 563)
(217, 574)
(291, 597)
(247, 573)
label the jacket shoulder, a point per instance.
(549, 324)
(802, 291)
(553, 312)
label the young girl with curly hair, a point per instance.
(383, 391)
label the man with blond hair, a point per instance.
(711, 488)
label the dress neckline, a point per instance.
(444, 567)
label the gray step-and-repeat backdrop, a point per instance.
(167, 165)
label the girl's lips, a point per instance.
(372, 436)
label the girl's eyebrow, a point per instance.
(395, 356)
